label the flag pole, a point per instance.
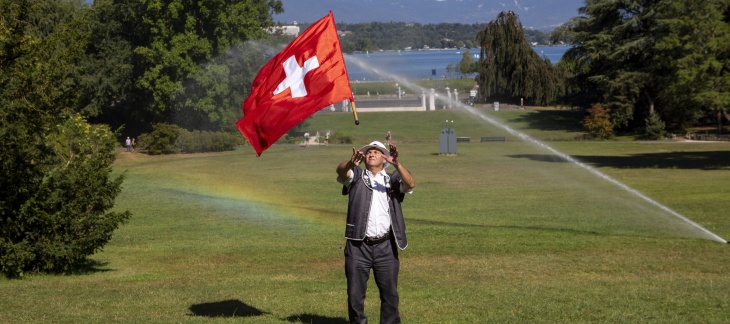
(354, 113)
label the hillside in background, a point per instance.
(537, 14)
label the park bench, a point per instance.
(463, 139)
(494, 139)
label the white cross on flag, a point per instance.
(306, 76)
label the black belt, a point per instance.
(376, 240)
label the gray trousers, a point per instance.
(382, 258)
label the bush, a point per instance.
(338, 138)
(598, 122)
(61, 219)
(655, 128)
(161, 141)
(171, 139)
(204, 141)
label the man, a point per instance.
(375, 227)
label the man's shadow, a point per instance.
(237, 308)
(226, 308)
(315, 319)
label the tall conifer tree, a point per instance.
(509, 69)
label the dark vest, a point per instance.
(358, 208)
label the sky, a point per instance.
(538, 14)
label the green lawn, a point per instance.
(503, 232)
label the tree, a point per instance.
(172, 59)
(509, 69)
(613, 45)
(55, 186)
(654, 128)
(467, 64)
(695, 37)
(107, 81)
(643, 57)
(598, 122)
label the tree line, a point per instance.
(392, 36)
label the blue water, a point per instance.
(423, 65)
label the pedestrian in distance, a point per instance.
(128, 144)
(375, 228)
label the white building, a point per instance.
(285, 30)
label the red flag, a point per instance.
(306, 76)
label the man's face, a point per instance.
(374, 157)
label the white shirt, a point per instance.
(379, 217)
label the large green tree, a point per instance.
(640, 57)
(55, 185)
(173, 60)
(614, 45)
(695, 38)
(509, 69)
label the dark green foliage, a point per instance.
(613, 59)
(65, 220)
(340, 138)
(654, 129)
(694, 44)
(643, 57)
(509, 69)
(161, 140)
(205, 141)
(187, 62)
(172, 139)
(54, 215)
(55, 188)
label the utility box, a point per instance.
(447, 140)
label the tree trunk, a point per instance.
(719, 120)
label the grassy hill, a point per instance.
(502, 232)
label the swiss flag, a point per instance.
(306, 76)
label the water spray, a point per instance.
(542, 145)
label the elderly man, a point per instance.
(375, 227)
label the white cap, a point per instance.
(375, 145)
(378, 146)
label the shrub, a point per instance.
(654, 128)
(598, 122)
(171, 139)
(62, 218)
(204, 141)
(162, 139)
(338, 138)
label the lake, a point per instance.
(423, 65)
